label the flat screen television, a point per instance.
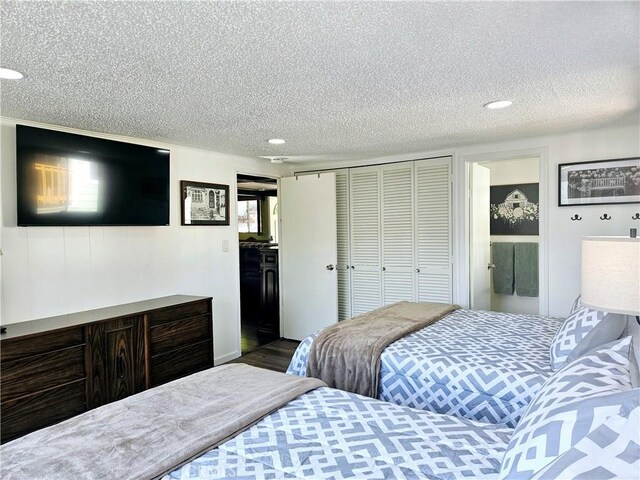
(65, 179)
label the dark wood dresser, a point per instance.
(54, 368)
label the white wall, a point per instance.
(513, 172)
(562, 259)
(564, 236)
(50, 271)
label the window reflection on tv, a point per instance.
(67, 179)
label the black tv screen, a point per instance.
(65, 179)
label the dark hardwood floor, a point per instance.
(251, 339)
(274, 356)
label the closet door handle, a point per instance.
(490, 266)
(330, 267)
(384, 269)
(417, 270)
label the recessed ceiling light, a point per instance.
(278, 159)
(8, 74)
(276, 141)
(498, 104)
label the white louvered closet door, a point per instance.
(344, 265)
(364, 214)
(397, 233)
(433, 230)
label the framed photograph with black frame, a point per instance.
(602, 182)
(204, 203)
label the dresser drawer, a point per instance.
(39, 410)
(40, 372)
(34, 344)
(180, 333)
(170, 314)
(181, 362)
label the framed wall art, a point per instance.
(602, 182)
(204, 203)
(514, 209)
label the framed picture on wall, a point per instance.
(204, 203)
(602, 182)
(514, 209)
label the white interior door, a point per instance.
(308, 254)
(480, 237)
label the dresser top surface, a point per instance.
(32, 327)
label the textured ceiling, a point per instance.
(337, 80)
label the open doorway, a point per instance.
(257, 205)
(505, 234)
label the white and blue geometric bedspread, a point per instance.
(331, 434)
(485, 366)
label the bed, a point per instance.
(170, 432)
(480, 365)
(329, 433)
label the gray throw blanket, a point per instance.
(347, 355)
(153, 432)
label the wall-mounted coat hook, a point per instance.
(576, 217)
(605, 217)
(636, 216)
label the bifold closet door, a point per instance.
(364, 211)
(397, 233)
(344, 265)
(433, 230)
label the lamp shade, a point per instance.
(611, 274)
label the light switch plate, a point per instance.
(225, 245)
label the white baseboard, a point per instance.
(226, 358)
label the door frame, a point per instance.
(542, 154)
(234, 225)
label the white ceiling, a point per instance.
(337, 80)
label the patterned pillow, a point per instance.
(612, 450)
(568, 407)
(574, 329)
(576, 305)
(611, 328)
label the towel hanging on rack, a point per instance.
(526, 269)
(502, 259)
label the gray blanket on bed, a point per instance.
(151, 433)
(347, 355)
